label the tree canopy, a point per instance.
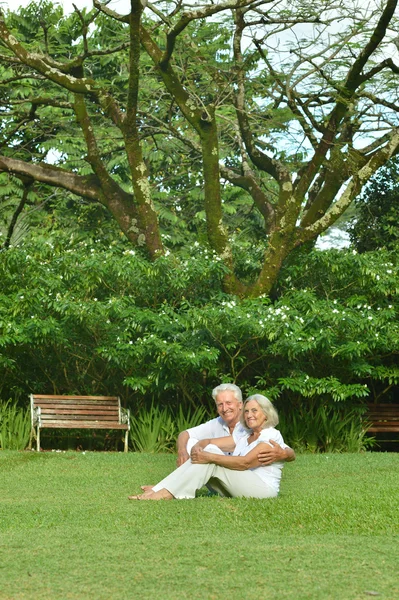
(376, 222)
(236, 120)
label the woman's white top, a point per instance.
(270, 474)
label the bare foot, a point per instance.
(161, 495)
(147, 488)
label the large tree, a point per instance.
(294, 103)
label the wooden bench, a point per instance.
(384, 418)
(77, 412)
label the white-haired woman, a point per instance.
(239, 475)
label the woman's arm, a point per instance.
(236, 463)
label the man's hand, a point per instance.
(181, 446)
(275, 453)
(182, 457)
(198, 456)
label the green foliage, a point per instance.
(152, 430)
(375, 224)
(325, 428)
(185, 420)
(15, 426)
(155, 430)
(92, 318)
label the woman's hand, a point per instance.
(198, 456)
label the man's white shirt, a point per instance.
(216, 428)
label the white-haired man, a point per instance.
(228, 399)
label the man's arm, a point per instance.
(181, 445)
(226, 444)
(275, 453)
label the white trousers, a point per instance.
(189, 477)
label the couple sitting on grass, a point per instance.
(239, 454)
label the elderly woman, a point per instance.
(238, 475)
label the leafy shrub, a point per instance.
(81, 317)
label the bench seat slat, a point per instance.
(85, 425)
(383, 429)
(389, 412)
(72, 417)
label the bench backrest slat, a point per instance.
(84, 398)
(384, 418)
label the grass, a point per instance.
(67, 531)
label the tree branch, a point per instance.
(261, 160)
(352, 190)
(16, 214)
(352, 82)
(87, 186)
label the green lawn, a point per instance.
(68, 532)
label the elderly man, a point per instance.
(228, 399)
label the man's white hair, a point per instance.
(230, 387)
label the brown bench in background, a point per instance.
(384, 418)
(77, 412)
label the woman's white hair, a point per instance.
(227, 387)
(267, 408)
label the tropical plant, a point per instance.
(156, 430)
(15, 426)
(152, 430)
(319, 427)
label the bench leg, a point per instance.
(32, 433)
(126, 440)
(38, 440)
